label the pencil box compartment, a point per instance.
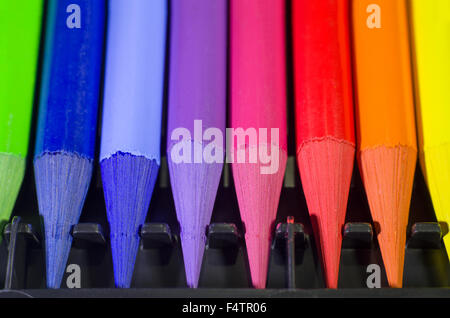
(159, 263)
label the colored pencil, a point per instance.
(324, 120)
(386, 127)
(258, 102)
(431, 27)
(20, 29)
(67, 123)
(387, 149)
(132, 115)
(197, 93)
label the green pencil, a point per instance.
(20, 29)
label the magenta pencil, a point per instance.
(258, 117)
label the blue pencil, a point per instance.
(131, 127)
(67, 122)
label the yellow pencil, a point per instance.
(431, 38)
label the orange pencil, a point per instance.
(386, 132)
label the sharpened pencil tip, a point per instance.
(62, 182)
(12, 169)
(193, 250)
(194, 188)
(125, 248)
(326, 167)
(258, 197)
(394, 259)
(258, 248)
(388, 175)
(58, 250)
(128, 183)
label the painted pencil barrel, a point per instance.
(134, 78)
(383, 74)
(258, 65)
(20, 30)
(71, 77)
(322, 70)
(198, 56)
(431, 28)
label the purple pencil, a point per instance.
(196, 121)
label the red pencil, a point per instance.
(324, 119)
(258, 106)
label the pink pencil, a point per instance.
(258, 106)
